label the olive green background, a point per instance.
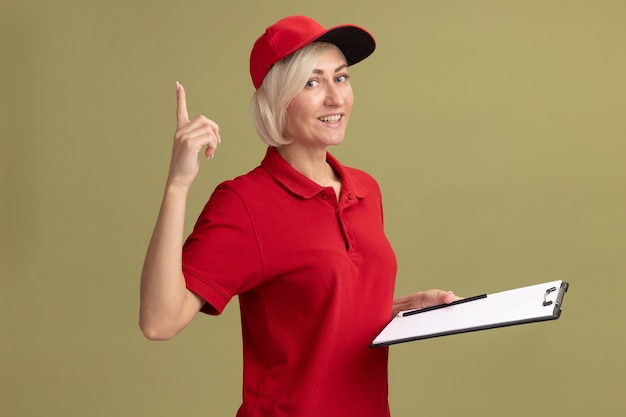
(495, 128)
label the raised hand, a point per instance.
(190, 137)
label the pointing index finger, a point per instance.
(182, 116)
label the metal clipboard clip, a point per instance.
(559, 297)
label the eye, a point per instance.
(342, 78)
(311, 83)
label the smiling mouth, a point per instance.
(331, 119)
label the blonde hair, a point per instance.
(282, 83)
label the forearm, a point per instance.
(163, 290)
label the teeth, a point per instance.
(331, 119)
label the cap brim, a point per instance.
(355, 43)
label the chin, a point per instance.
(334, 142)
(335, 139)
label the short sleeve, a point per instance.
(221, 257)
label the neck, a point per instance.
(312, 165)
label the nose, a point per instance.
(334, 95)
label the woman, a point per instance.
(299, 239)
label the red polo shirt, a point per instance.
(315, 282)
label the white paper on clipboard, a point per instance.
(530, 304)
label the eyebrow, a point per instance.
(339, 68)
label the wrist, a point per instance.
(177, 187)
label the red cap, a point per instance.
(294, 32)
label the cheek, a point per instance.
(291, 115)
(349, 100)
(295, 110)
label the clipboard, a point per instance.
(530, 304)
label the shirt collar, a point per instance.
(302, 186)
